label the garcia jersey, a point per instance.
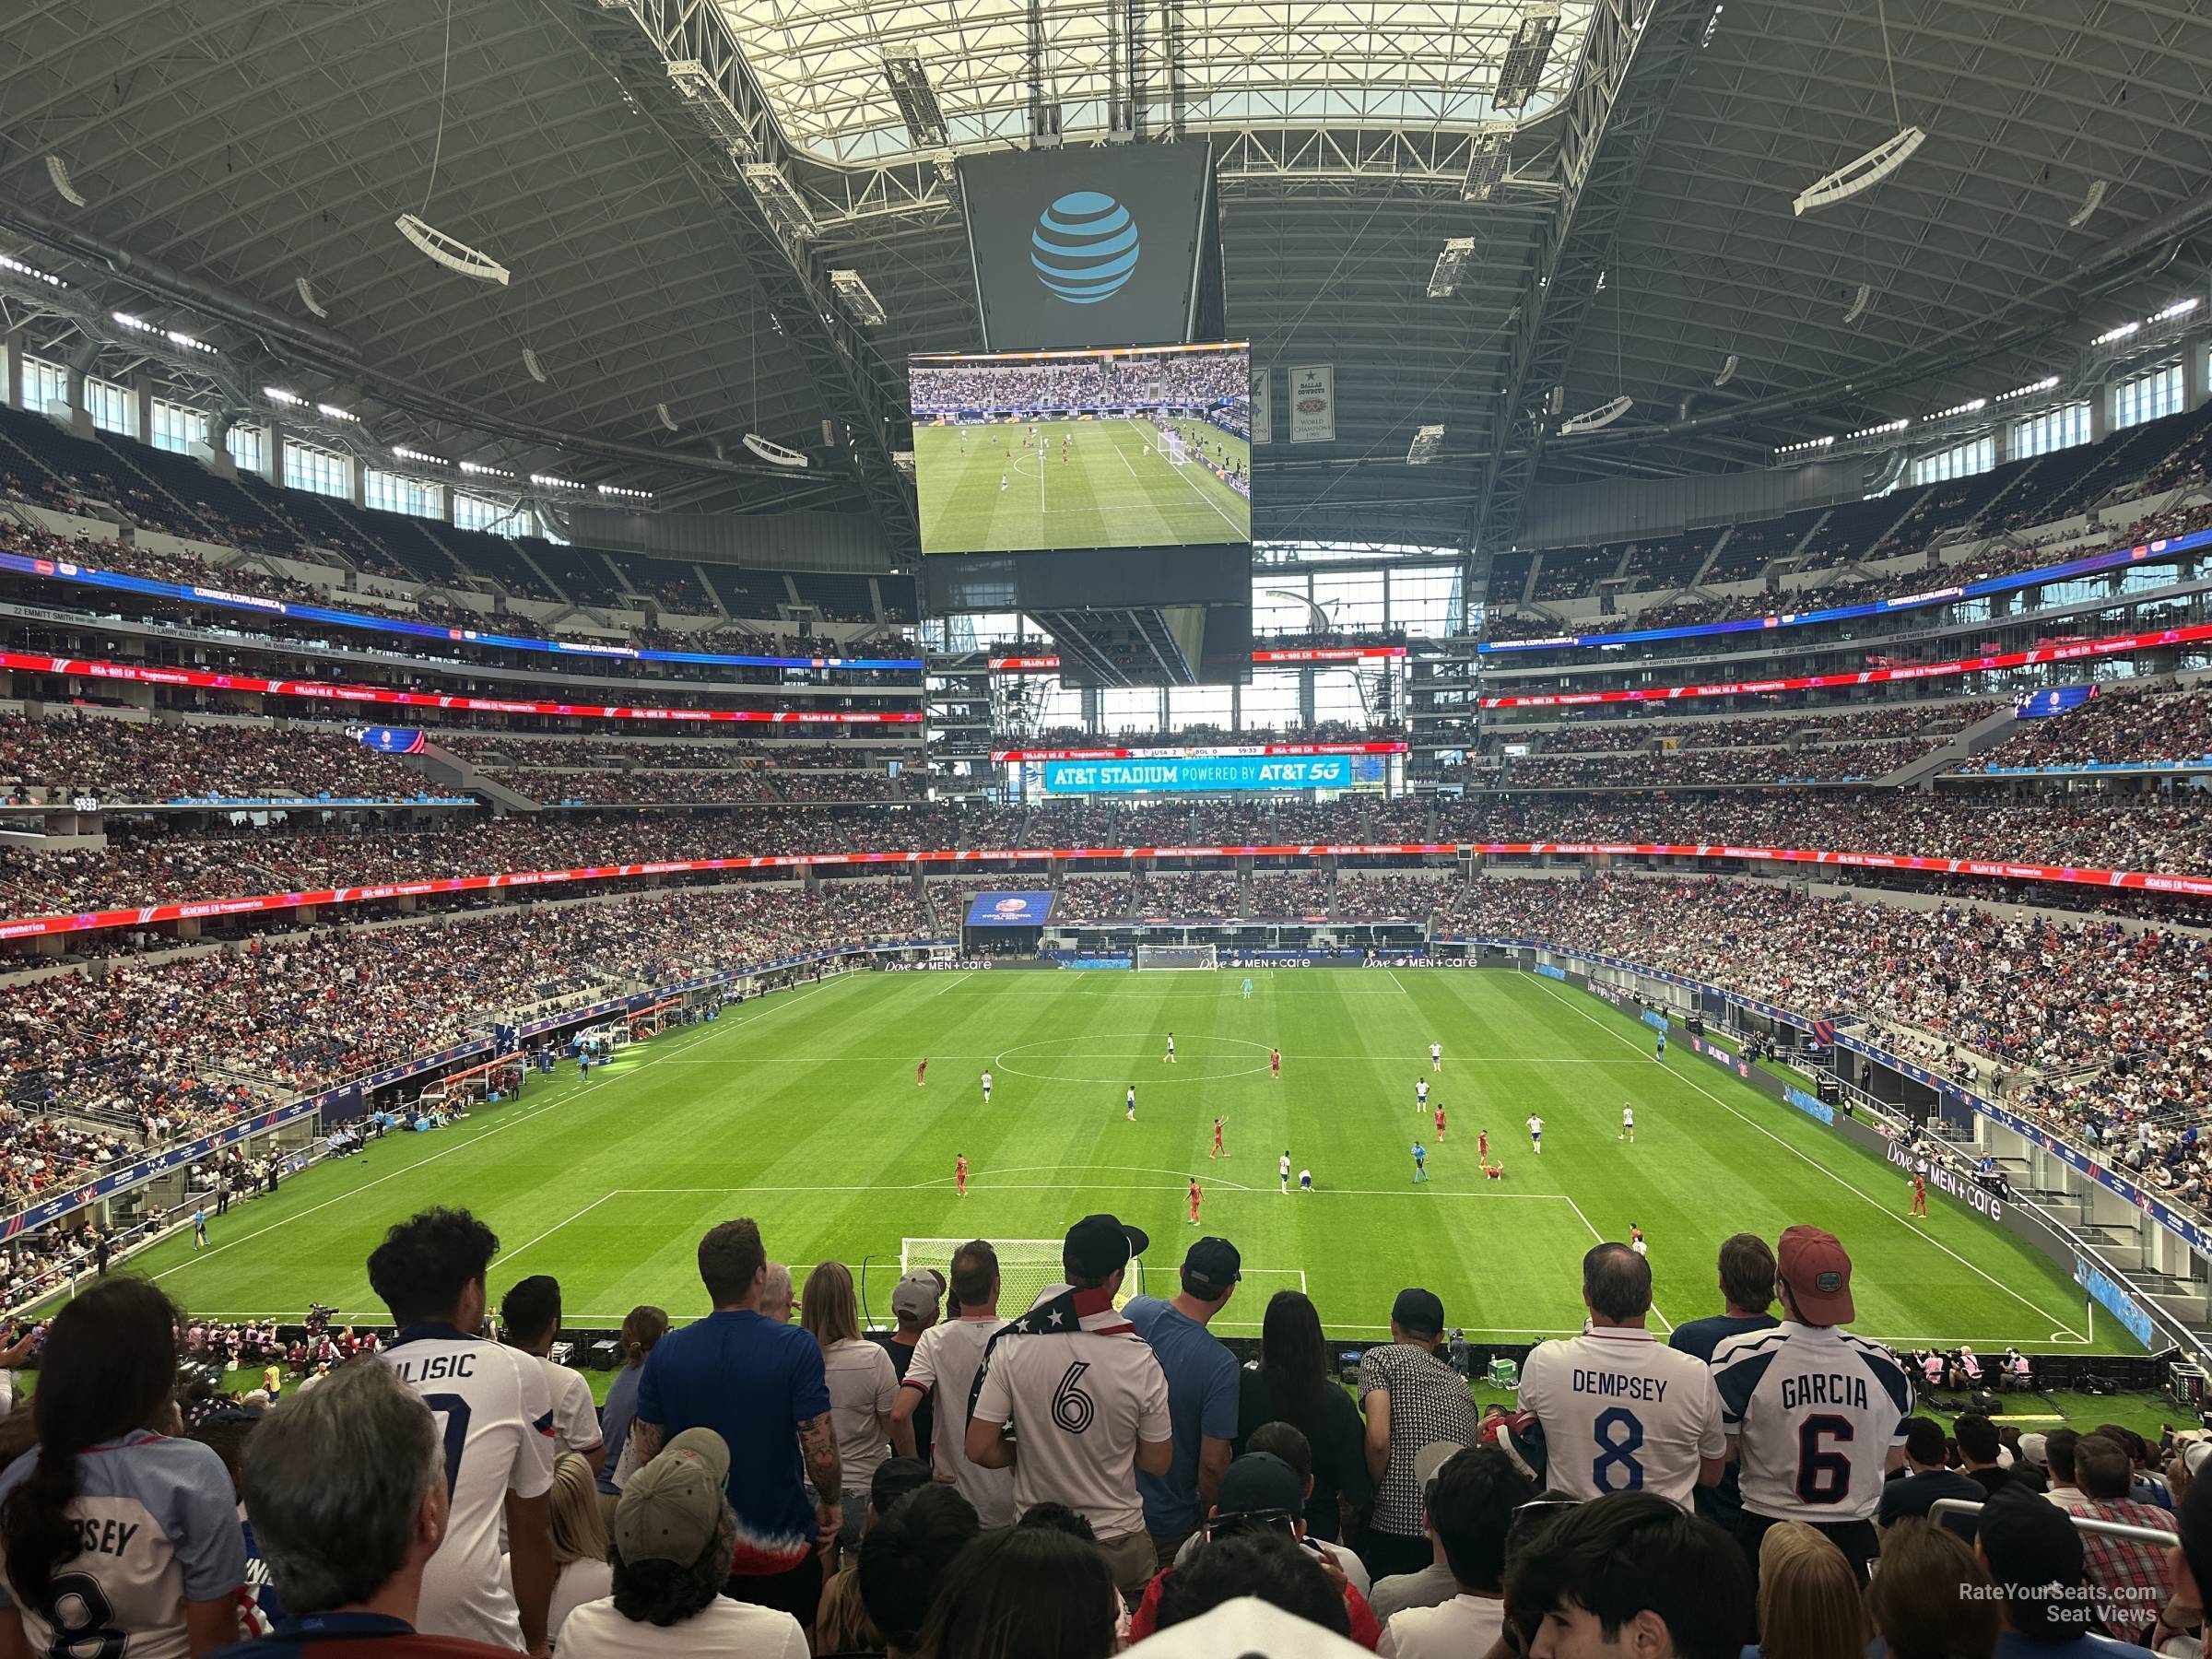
(157, 1526)
(1816, 1411)
(1622, 1412)
(494, 1411)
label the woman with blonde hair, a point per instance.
(863, 1386)
(579, 1542)
(1931, 1596)
(1808, 1597)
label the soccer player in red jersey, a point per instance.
(1275, 1061)
(1920, 1195)
(1482, 1148)
(960, 1174)
(1495, 1171)
(1195, 1195)
(1216, 1152)
(921, 1072)
(1440, 1123)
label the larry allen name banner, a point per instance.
(1094, 245)
(1314, 404)
(1009, 910)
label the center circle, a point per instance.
(1092, 1058)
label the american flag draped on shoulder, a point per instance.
(1064, 1313)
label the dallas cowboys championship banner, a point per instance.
(1314, 404)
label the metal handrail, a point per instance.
(2089, 1524)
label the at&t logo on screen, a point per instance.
(1085, 247)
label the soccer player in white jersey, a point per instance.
(1816, 1414)
(986, 1087)
(494, 1416)
(1282, 1167)
(1622, 1412)
(1535, 1134)
(1436, 1056)
(1628, 1122)
(1420, 1094)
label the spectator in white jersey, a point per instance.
(345, 1483)
(1413, 1401)
(1814, 1414)
(1622, 1412)
(116, 1540)
(675, 1538)
(1632, 1573)
(943, 1370)
(1085, 1399)
(496, 1414)
(530, 1320)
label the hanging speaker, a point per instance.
(307, 296)
(537, 369)
(58, 170)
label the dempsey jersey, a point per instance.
(1622, 1412)
(157, 1526)
(1816, 1411)
(496, 1414)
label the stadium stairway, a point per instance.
(1985, 733)
(443, 766)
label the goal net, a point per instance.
(1027, 1268)
(1172, 447)
(1178, 955)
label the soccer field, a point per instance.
(802, 1111)
(1107, 493)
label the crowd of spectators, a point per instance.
(2117, 727)
(1126, 381)
(115, 759)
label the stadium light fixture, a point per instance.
(1808, 444)
(332, 412)
(2048, 384)
(1523, 65)
(278, 395)
(477, 470)
(2180, 308)
(140, 325)
(626, 494)
(1727, 372)
(554, 481)
(449, 251)
(403, 452)
(786, 209)
(2120, 333)
(917, 101)
(1862, 173)
(1489, 153)
(307, 296)
(712, 106)
(2090, 203)
(1713, 27)
(8, 262)
(58, 172)
(1451, 265)
(1881, 430)
(775, 455)
(1859, 303)
(1974, 407)
(1604, 415)
(852, 288)
(535, 370)
(662, 414)
(1428, 444)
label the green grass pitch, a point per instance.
(1107, 493)
(801, 1111)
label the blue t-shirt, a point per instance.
(1723, 1501)
(752, 1381)
(1202, 1401)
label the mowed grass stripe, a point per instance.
(803, 1111)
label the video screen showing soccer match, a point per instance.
(1039, 450)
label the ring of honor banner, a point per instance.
(1263, 405)
(1314, 404)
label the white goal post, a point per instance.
(1173, 448)
(1187, 957)
(1027, 1268)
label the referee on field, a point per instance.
(1816, 1414)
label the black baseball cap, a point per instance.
(1212, 1266)
(1259, 1481)
(1420, 1311)
(1097, 1245)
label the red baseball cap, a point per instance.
(1815, 1268)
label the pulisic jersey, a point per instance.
(157, 1526)
(1623, 1412)
(495, 1414)
(1817, 1410)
